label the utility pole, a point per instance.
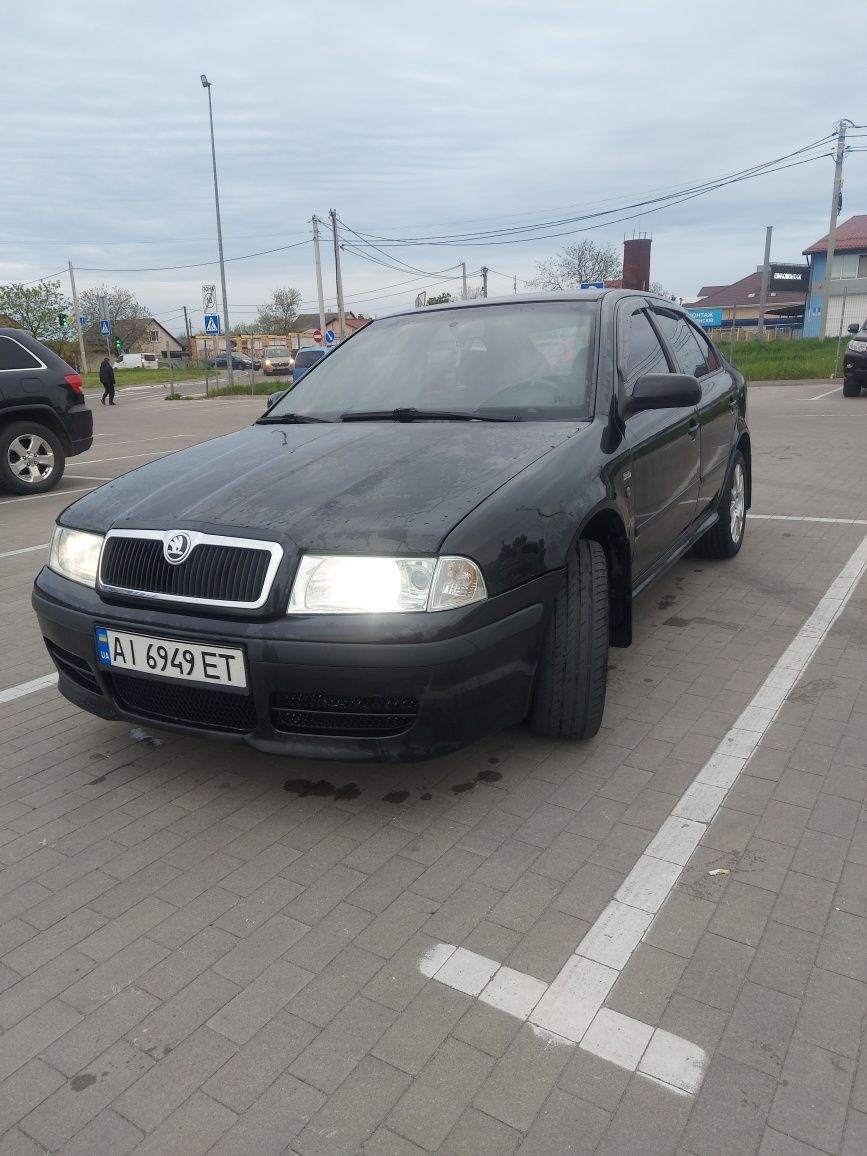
(484, 280)
(189, 335)
(78, 320)
(341, 316)
(832, 228)
(515, 283)
(103, 308)
(319, 293)
(766, 273)
(207, 84)
(464, 280)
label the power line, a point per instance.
(196, 265)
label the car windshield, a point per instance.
(276, 351)
(528, 360)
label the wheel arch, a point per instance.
(606, 527)
(40, 416)
(746, 447)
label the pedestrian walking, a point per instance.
(106, 376)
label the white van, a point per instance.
(138, 361)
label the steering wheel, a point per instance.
(526, 392)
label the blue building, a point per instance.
(848, 282)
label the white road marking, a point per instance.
(800, 518)
(25, 550)
(819, 396)
(50, 494)
(27, 687)
(88, 478)
(572, 1005)
(126, 457)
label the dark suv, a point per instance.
(855, 361)
(44, 418)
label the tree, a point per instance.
(35, 308)
(658, 287)
(121, 305)
(440, 299)
(279, 313)
(585, 261)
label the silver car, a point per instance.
(277, 359)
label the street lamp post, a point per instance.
(207, 84)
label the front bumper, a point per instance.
(318, 688)
(855, 367)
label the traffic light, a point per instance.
(118, 344)
(62, 320)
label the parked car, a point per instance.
(855, 361)
(239, 361)
(277, 359)
(44, 418)
(305, 359)
(436, 535)
(275, 397)
(137, 361)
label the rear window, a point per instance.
(13, 355)
(307, 357)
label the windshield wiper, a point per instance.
(290, 419)
(412, 414)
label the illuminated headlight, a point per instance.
(268, 361)
(333, 585)
(75, 554)
(857, 346)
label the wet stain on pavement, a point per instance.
(321, 789)
(396, 797)
(82, 1081)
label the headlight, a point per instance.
(334, 585)
(75, 554)
(267, 360)
(857, 346)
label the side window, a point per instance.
(15, 356)
(643, 352)
(711, 359)
(691, 357)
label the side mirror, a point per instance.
(853, 328)
(663, 391)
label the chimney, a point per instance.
(636, 263)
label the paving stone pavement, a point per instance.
(194, 959)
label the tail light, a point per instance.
(74, 381)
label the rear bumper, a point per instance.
(79, 424)
(356, 700)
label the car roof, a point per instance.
(539, 296)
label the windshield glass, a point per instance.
(530, 359)
(305, 357)
(276, 351)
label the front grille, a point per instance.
(330, 714)
(190, 706)
(78, 670)
(212, 572)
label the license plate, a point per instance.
(169, 658)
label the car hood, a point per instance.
(382, 486)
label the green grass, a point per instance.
(261, 388)
(811, 357)
(143, 376)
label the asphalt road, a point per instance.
(653, 942)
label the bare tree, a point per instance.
(576, 264)
(278, 314)
(121, 305)
(658, 287)
(36, 308)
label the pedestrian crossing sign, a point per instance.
(212, 323)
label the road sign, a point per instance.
(209, 298)
(329, 336)
(592, 285)
(104, 328)
(317, 336)
(707, 318)
(212, 323)
(82, 321)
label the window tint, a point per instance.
(15, 356)
(308, 357)
(644, 354)
(691, 357)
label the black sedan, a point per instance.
(239, 361)
(855, 361)
(436, 534)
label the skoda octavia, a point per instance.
(436, 533)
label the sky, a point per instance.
(412, 120)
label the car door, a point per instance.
(718, 408)
(664, 445)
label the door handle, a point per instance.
(733, 403)
(693, 428)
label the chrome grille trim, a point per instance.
(274, 549)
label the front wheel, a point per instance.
(569, 695)
(31, 458)
(851, 388)
(725, 539)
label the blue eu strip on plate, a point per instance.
(102, 648)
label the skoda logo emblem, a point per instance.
(177, 547)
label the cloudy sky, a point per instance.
(412, 120)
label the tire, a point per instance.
(851, 388)
(31, 458)
(569, 695)
(725, 539)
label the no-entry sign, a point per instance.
(317, 336)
